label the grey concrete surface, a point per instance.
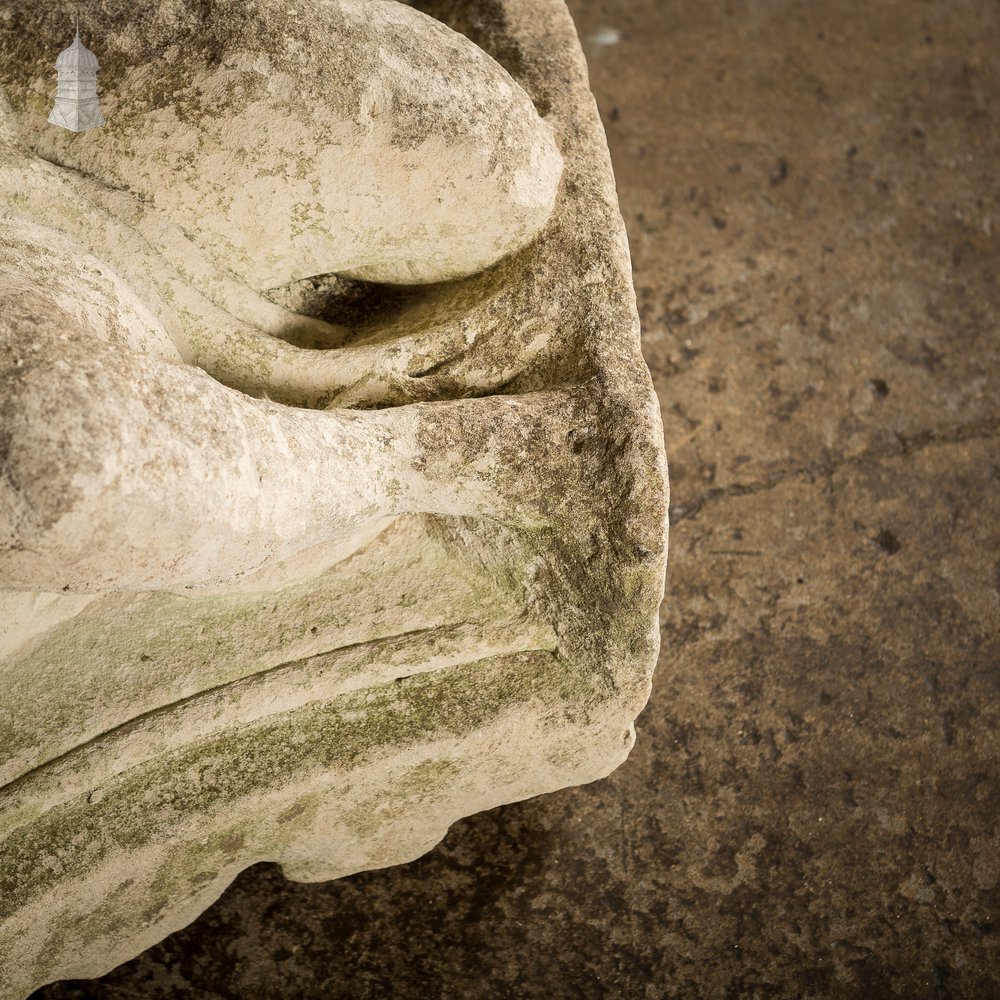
(811, 191)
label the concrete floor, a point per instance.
(811, 190)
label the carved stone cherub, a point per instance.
(332, 491)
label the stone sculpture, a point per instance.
(332, 487)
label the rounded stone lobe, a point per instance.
(363, 138)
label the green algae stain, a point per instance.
(156, 802)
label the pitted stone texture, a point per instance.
(305, 586)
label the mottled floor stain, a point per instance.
(812, 806)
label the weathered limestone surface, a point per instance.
(332, 488)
